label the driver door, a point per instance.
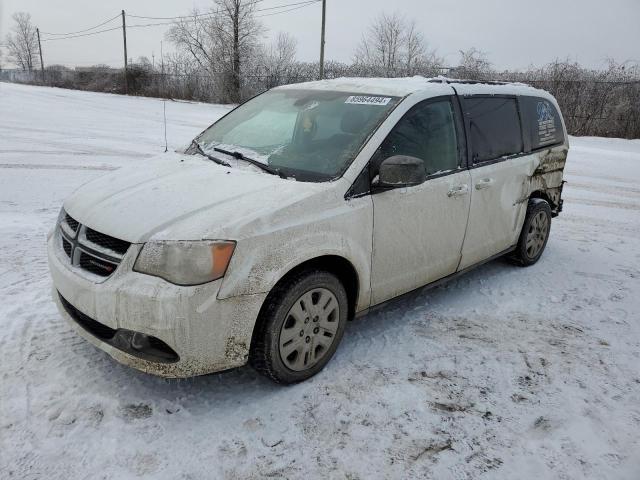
(419, 231)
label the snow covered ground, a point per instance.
(505, 373)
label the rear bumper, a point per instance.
(557, 202)
(560, 199)
(207, 334)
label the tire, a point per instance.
(535, 233)
(295, 340)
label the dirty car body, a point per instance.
(127, 253)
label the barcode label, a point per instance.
(364, 100)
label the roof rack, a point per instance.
(467, 82)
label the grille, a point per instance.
(96, 265)
(73, 224)
(92, 251)
(66, 246)
(105, 241)
(89, 324)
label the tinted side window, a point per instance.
(427, 132)
(544, 126)
(494, 127)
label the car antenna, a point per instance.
(164, 100)
(164, 107)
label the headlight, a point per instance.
(185, 263)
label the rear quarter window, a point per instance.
(543, 124)
(494, 127)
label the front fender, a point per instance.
(260, 261)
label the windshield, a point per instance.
(310, 135)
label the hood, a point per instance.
(181, 198)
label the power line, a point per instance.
(296, 6)
(306, 4)
(144, 25)
(81, 35)
(193, 18)
(274, 10)
(85, 30)
(195, 15)
(198, 15)
(178, 17)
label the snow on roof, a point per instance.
(497, 88)
(397, 87)
(400, 87)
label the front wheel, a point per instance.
(300, 327)
(535, 233)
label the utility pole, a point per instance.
(324, 17)
(40, 50)
(124, 36)
(161, 60)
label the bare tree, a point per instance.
(414, 47)
(395, 46)
(143, 63)
(195, 37)
(381, 44)
(23, 42)
(474, 65)
(236, 27)
(274, 64)
(222, 41)
(283, 50)
(417, 57)
(279, 58)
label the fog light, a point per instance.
(139, 341)
(143, 346)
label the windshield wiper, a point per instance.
(241, 156)
(210, 157)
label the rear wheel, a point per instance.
(300, 327)
(535, 233)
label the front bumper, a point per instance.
(208, 334)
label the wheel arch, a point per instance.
(542, 195)
(335, 264)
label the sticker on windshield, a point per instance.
(364, 100)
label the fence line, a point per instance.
(591, 106)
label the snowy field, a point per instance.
(505, 373)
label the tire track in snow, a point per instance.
(45, 166)
(602, 203)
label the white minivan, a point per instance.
(300, 209)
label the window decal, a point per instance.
(546, 124)
(543, 122)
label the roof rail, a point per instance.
(449, 81)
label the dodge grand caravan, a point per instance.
(297, 211)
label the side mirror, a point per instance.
(401, 171)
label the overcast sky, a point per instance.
(513, 33)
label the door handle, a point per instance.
(458, 191)
(484, 183)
